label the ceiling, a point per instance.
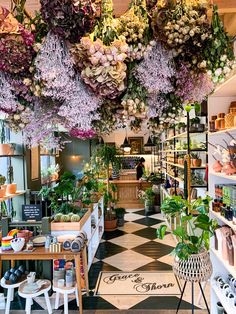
(227, 9)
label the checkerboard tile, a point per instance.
(129, 241)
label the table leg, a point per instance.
(57, 300)
(8, 305)
(28, 306)
(78, 280)
(85, 265)
(12, 263)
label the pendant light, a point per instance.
(149, 143)
(126, 146)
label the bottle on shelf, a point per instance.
(220, 122)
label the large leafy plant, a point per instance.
(195, 227)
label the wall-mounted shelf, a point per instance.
(222, 132)
(223, 175)
(223, 219)
(17, 155)
(229, 268)
(9, 196)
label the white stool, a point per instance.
(29, 296)
(65, 291)
(10, 292)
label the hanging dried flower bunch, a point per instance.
(79, 109)
(192, 87)
(156, 70)
(218, 54)
(53, 69)
(15, 44)
(183, 26)
(83, 135)
(8, 101)
(101, 60)
(134, 27)
(69, 19)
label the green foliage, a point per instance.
(107, 155)
(193, 232)
(119, 211)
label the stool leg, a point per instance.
(48, 302)
(8, 304)
(11, 291)
(65, 303)
(28, 305)
(77, 297)
(57, 300)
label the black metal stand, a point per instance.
(182, 294)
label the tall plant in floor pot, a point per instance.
(107, 157)
(192, 261)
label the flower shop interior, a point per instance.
(118, 156)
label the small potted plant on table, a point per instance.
(196, 125)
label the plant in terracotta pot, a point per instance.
(192, 260)
(2, 186)
(5, 148)
(196, 160)
(196, 125)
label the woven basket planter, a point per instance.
(197, 268)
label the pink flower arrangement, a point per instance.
(8, 101)
(84, 135)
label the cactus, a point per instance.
(2, 180)
(75, 218)
(57, 217)
(65, 218)
(70, 215)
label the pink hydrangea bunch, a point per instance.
(83, 135)
(102, 67)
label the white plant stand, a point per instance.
(10, 292)
(29, 296)
(65, 292)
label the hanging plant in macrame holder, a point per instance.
(100, 57)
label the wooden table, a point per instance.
(40, 253)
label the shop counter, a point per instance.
(127, 193)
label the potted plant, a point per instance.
(120, 214)
(196, 160)
(2, 186)
(192, 260)
(196, 125)
(5, 148)
(148, 197)
(107, 156)
(182, 127)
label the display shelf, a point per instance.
(222, 175)
(221, 298)
(198, 150)
(173, 177)
(181, 166)
(225, 264)
(9, 196)
(17, 155)
(184, 134)
(223, 219)
(226, 89)
(174, 151)
(222, 132)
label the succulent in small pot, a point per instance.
(181, 127)
(196, 160)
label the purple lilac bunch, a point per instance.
(69, 19)
(43, 128)
(54, 71)
(8, 100)
(192, 87)
(156, 70)
(80, 109)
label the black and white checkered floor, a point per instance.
(133, 247)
